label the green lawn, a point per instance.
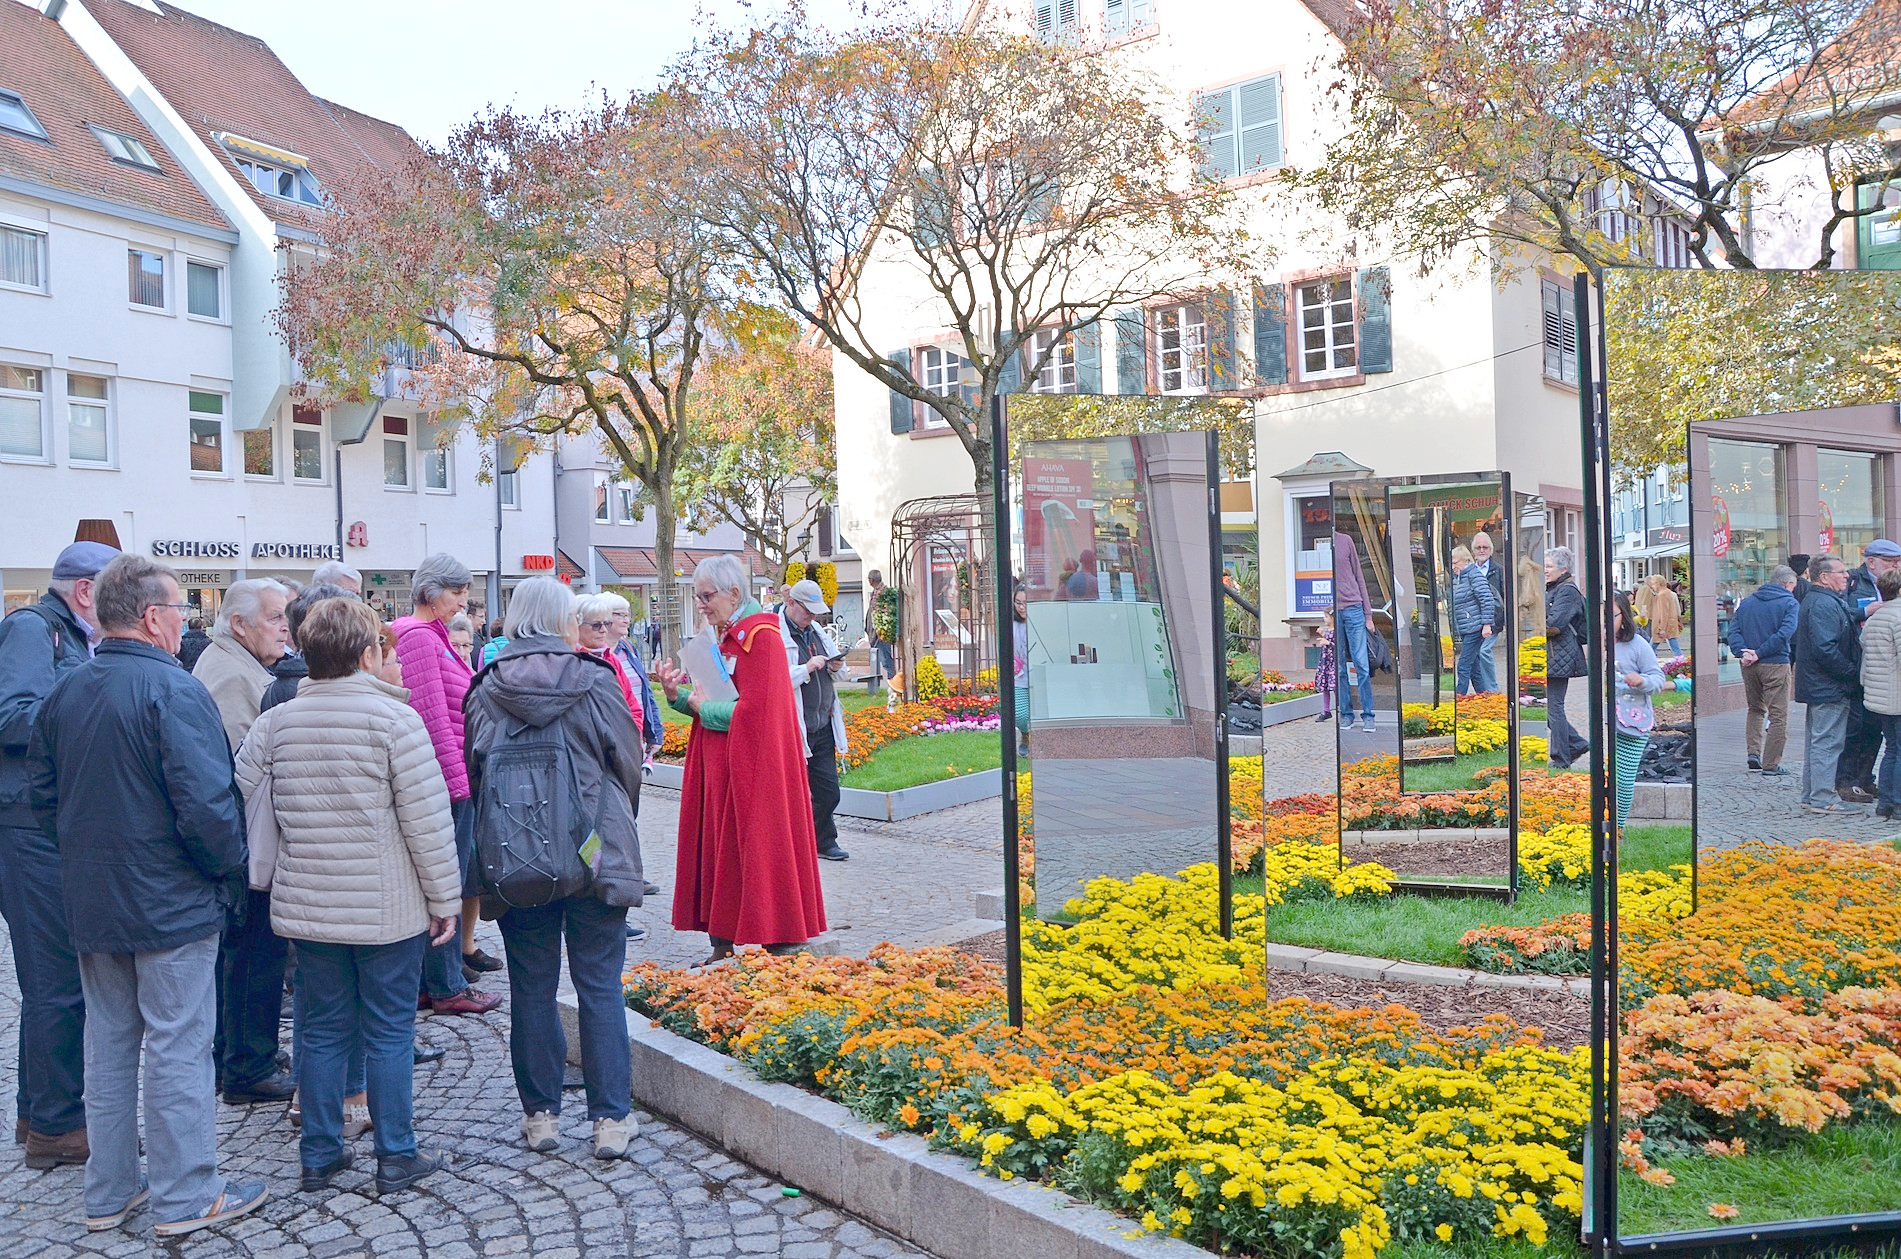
(1427, 928)
(1452, 775)
(1844, 1169)
(929, 758)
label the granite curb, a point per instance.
(883, 806)
(936, 1201)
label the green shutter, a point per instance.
(1259, 132)
(901, 407)
(1131, 353)
(1220, 309)
(1089, 357)
(1376, 320)
(1270, 333)
(1214, 133)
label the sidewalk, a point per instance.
(1734, 806)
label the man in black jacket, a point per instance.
(38, 645)
(129, 774)
(1827, 679)
(1855, 774)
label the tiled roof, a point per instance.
(637, 562)
(1860, 67)
(566, 568)
(65, 91)
(221, 80)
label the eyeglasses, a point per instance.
(597, 625)
(176, 607)
(708, 597)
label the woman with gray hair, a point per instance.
(544, 703)
(1566, 631)
(748, 860)
(438, 679)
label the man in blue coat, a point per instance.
(1762, 638)
(128, 773)
(38, 645)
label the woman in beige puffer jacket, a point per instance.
(366, 872)
(1881, 686)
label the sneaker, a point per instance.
(635, 934)
(356, 1120)
(317, 1179)
(1836, 810)
(1755, 764)
(43, 1151)
(1856, 795)
(275, 1087)
(400, 1171)
(468, 1001)
(541, 1131)
(1367, 726)
(1775, 772)
(100, 1223)
(1324, 717)
(650, 889)
(236, 1200)
(612, 1135)
(834, 853)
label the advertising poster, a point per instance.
(1059, 521)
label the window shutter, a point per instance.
(901, 408)
(1131, 353)
(1045, 18)
(1010, 376)
(1568, 335)
(1270, 333)
(1220, 308)
(1554, 331)
(1376, 319)
(1260, 129)
(1089, 357)
(1115, 17)
(1138, 14)
(824, 531)
(1214, 132)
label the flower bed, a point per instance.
(869, 729)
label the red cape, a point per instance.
(748, 859)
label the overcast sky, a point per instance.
(429, 65)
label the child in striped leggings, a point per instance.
(1639, 676)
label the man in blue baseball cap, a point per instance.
(38, 643)
(1855, 772)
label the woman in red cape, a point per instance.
(748, 864)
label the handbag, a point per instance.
(261, 835)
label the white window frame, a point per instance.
(164, 280)
(603, 513)
(1670, 241)
(1188, 322)
(407, 439)
(126, 149)
(1219, 121)
(38, 397)
(940, 370)
(447, 455)
(41, 251)
(104, 408)
(224, 301)
(37, 129)
(321, 430)
(251, 167)
(625, 494)
(244, 465)
(223, 419)
(1332, 347)
(508, 489)
(1058, 375)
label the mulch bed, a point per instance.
(1566, 1019)
(1442, 858)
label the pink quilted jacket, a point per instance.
(437, 679)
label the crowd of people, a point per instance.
(316, 798)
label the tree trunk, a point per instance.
(669, 608)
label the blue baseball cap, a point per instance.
(88, 559)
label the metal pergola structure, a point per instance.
(943, 561)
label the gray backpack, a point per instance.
(530, 821)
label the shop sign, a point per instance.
(180, 549)
(1825, 527)
(174, 549)
(1719, 526)
(359, 535)
(204, 578)
(295, 551)
(1667, 535)
(537, 563)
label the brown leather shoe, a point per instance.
(19, 1130)
(43, 1151)
(468, 1001)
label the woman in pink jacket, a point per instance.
(438, 678)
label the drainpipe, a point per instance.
(495, 577)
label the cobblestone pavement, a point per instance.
(674, 1196)
(1734, 806)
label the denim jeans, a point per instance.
(165, 1001)
(1466, 670)
(1861, 748)
(1889, 779)
(353, 1082)
(1826, 731)
(821, 774)
(355, 998)
(596, 934)
(442, 963)
(1351, 624)
(251, 965)
(52, 1004)
(1485, 676)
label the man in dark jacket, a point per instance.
(129, 774)
(38, 645)
(1762, 637)
(1827, 677)
(1494, 574)
(193, 644)
(1567, 630)
(1855, 775)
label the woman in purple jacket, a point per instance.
(437, 679)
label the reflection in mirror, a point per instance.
(1408, 567)
(1754, 432)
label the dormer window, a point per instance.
(124, 148)
(15, 116)
(273, 172)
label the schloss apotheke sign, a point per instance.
(183, 550)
